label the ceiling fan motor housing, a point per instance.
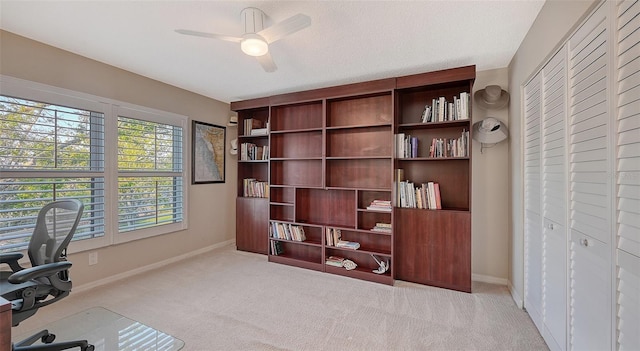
(253, 20)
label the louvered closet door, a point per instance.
(629, 301)
(590, 187)
(555, 241)
(628, 177)
(532, 202)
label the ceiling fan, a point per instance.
(256, 39)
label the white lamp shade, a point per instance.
(490, 131)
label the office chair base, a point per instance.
(47, 343)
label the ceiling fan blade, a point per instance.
(267, 62)
(286, 27)
(209, 35)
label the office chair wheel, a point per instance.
(48, 339)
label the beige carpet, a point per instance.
(231, 300)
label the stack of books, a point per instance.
(254, 126)
(380, 205)
(382, 227)
(334, 261)
(352, 245)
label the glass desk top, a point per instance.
(108, 331)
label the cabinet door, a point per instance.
(252, 224)
(554, 202)
(532, 203)
(433, 247)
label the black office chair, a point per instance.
(47, 280)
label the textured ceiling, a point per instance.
(348, 41)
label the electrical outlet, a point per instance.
(93, 258)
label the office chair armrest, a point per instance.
(45, 270)
(11, 258)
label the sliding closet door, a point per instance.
(554, 199)
(590, 185)
(628, 177)
(532, 202)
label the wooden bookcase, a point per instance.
(252, 213)
(434, 246)
(332, 154)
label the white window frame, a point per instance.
(25, 89)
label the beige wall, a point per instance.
(211, 209)
(490, 194)
(554, 23)
(497, 248)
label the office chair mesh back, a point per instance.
(51, 235)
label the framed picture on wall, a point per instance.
(207, 153)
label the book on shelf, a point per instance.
(424, 196)
(352, 245)
(445, 147)
(251, 152)
(335, 261)
(442, 110)
(286, 231)
(254, 126)
(275, 247)
(332, 236)
(380, 205)
(399, 176)
(406, 146)
(259, 131)
(382, 227)
(255, 188)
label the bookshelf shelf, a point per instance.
(253, 161)
(307, 242)
(246, 137)
(306, 130)
(410, 159)
(355, 126)
(334, 153)
(433, 125)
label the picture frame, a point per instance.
(207, 153)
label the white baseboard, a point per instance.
(515, 295)
(488, 279)
(147, 268)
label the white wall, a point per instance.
(554, 23)
(211, 207)
(490, 193)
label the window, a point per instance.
(125, 163)
(149, 174)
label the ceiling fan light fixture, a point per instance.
(254, 45)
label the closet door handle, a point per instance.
(584, 242)
(551, 226)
